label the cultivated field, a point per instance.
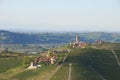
(90, 64)
(87, 64)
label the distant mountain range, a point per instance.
(7, 37)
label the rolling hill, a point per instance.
(7, 37)
(90, 64)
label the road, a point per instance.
(51, 75)
(69, 75)
(58, 67)
(116, 57)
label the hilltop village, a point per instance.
(52, 57)
(78, 43)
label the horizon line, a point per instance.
(56, 31)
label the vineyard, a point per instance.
(87, 64)
(90, 64)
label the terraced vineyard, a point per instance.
(103, 62)
(90, 64)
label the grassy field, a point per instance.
(37, 74)
(43, 73)
(12, 62)
(10, 66)
(13, 68)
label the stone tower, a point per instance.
(77, 39)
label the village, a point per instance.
(55, 56)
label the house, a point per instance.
(32, 66)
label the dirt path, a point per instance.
(116, 57)
(97, 73)
(53, 72)
(65, 58)
(58, 67)
(69, 75)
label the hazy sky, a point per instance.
(60, 15)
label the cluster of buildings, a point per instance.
(78, 44)
(35, 63)
(99, 42)
(43, 59)
(47, 60)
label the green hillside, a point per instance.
(86, 64)
(90, 64)
(108, 46)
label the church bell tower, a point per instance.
(77, 39)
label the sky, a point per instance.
(60, 15)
